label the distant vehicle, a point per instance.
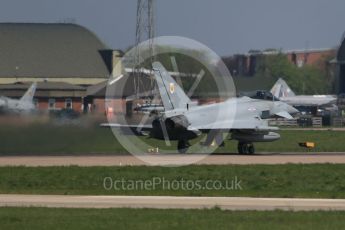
(23, 105)
(182, 122)
(282, 91)
(65, 114)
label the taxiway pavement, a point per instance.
(169, 202)
(125, 160)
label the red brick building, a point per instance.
(246, 64)
(49, 95)
(119, 95)
(315, 57)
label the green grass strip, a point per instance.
(69, 219)
(308, 181)
(46, 139)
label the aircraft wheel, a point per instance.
(239, 148)
(245, 148)
(242, 148)
(182, 146)
(251, 149)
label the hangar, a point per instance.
(63, 58)
(57, 52)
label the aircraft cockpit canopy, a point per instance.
(261, 95)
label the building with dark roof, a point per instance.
(55, 52)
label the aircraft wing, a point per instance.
(247, 124)
(116, 125)
(284, 114)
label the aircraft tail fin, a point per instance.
(29, 95)
(281, 89)
(172, 94)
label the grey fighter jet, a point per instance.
(23, 105)
(182, 120)
(282, 91)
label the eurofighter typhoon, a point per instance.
(182, 120)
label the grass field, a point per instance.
(307, 181)
(41, 139)
(44, 218)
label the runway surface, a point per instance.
(307, 158)
(166, 202)
(339, 129)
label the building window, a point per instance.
(36, 103)
(51, 104)
(68, 103)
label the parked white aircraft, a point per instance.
(22, 105)
(282, 91)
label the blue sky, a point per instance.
(226, 26)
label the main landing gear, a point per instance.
(245, 148)
(182, 146)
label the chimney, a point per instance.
(117, 69)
